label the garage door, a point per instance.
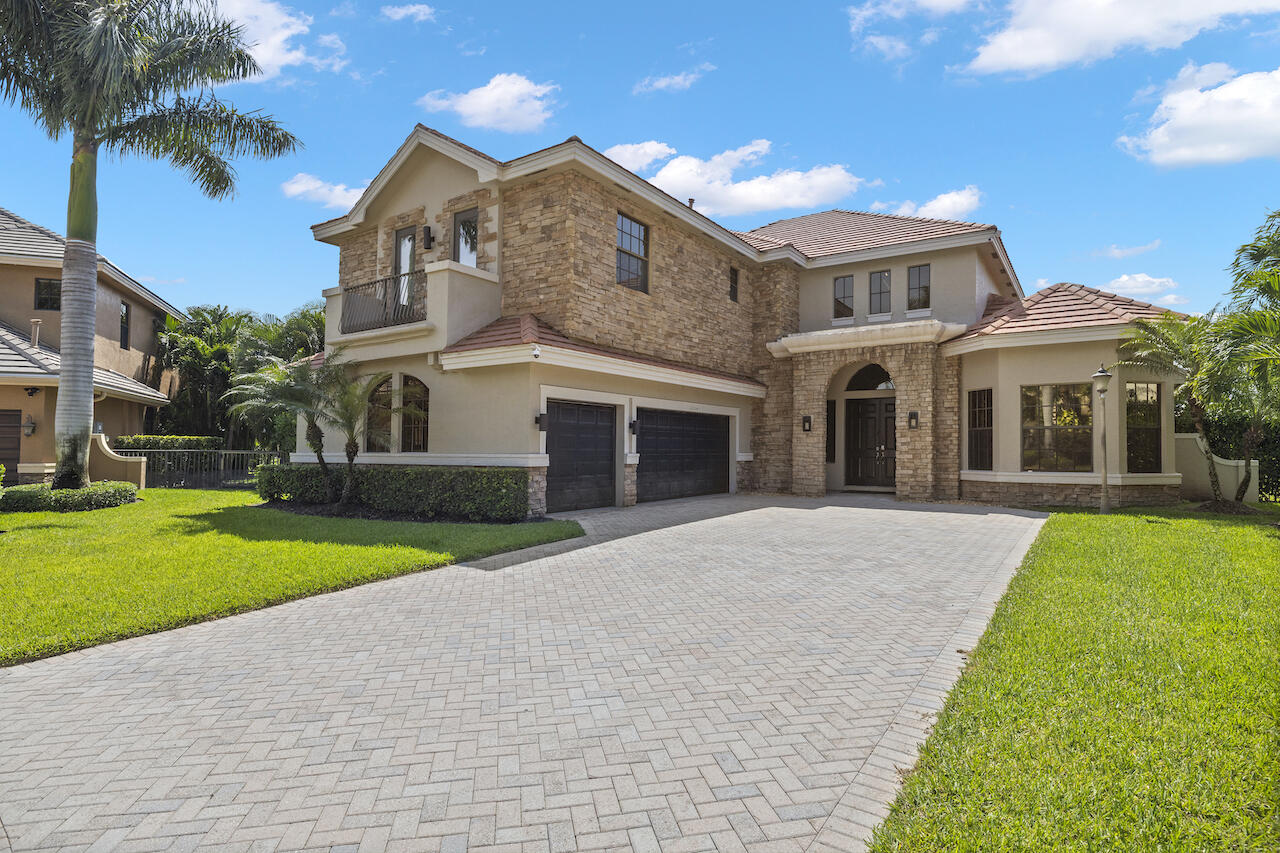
(580, 444)
(10, 435)
(681, 454)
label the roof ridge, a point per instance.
(898, 216)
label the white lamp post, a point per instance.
(1100, 381)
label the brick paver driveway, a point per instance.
(723, 673)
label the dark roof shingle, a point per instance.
(20, 360)
(834, 232)
(1060, 306)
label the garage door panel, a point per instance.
(681, 454)
(581, 446)
(10, 439)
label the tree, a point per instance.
(344, 409)
(117, 75)
(1255, 294)
(1252, 391)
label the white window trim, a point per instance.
(843, 321)
(916, 313)
(880, 318)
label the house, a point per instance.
(30, 332)
(559, 313)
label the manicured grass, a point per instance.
(71, 580)
(1124, 697)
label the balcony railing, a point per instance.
(390, 301)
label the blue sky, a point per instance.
(1130, 148)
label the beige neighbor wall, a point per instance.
(118, 417)
(1006, 370)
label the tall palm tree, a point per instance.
(118, 75)
(1255, 294)
(345, 408)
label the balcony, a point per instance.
(391, 301)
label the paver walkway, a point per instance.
(719, 673)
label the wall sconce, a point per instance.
(427, 239)
(32, 391)
(634, 426)
(913, 420)
(541, 421)
(806, 423)
(29, 426)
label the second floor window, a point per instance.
(918, 287)
(880, 303)
(733, 284)
(633, 254)
(1057, 427)
(843, 306)
(403, 261)
(466, 237)
(1142, 427)
(48, 294)
(980, 430)
(126, 314)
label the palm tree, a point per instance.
(1188, 346)
(1254, 394)
(1255, 294)
(345, 408)
(117, 75)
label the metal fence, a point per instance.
(204, 469)
(388, 301)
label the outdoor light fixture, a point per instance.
(29, 426)
(806, 423)
(32, 391)
(427, 240)
(1101, 380)
(541, 420)
(913, 420)
(634, 426)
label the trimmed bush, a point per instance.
(167, 442)
(426, 491)
(38, 497)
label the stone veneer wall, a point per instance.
(537, 492)
(776, 299)
(946, 428)
(486, 226)
(1061, 494)
(537, 249)
(629, 485)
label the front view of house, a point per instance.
(558, 313)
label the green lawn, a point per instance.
(180, 556)
(1124, 697)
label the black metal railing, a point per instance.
(204, 469)
(389, 301)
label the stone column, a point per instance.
(537, 492)
(629, 484)
(809, 449)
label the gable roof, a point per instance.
(21, 362)
(1061, 306)
(22, 239)
(834, 232)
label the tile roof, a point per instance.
(833, 232)
(528, 329)
(1060, 306)
(21, 361)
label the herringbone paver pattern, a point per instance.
(731, 673)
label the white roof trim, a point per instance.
(1080, 334)
(913, 331)
(51, 381)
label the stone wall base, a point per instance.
(629, 485)
(537, 492)
(1061, 494)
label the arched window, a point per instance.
(413, 419)
(873, 377)
(377, 420)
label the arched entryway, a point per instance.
(862, 436)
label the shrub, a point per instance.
(167, 442)
(465, 494)
(1, 480)
(39, 497)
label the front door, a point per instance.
(870, 450)
(10, 439)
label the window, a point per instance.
(733, 284)
(873, 377)
(918, 287)
(126, 314)
(416, 400)
(843, 297)
(377, 420)
(831, 431)
(633, 254)
(880, 303)
(466, 237)
(1057, 427)
(48, 294)
(1142, 427)
(980, 430)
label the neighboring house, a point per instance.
(30, 333)
(559, 313)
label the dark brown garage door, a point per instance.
(681, 454)
(580, 444)
(10, 435)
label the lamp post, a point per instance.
(1100, 381)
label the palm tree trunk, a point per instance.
(315, 440)
(347, 487)
(73, 420)
(1198, 418)
(1247, 443)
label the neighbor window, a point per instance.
(733, 284)
(48, 294)
(831, 431)
(980, 430)
(126, 313)
(416, 400)
(1142, 427)
(377, 420)
(633, 254)
(843, 297)
(466, 237)
(880, 303)
(1057, 427)
(918, 287)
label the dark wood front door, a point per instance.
(10, 438)
(870, 442)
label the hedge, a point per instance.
(429, 492)
(167, 442)
(38, 497)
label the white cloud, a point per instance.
(890, 47)
(1236, 118)
(1041, 284)
(638, 155)
(1044, 35)
(311, 188)
(418, 12)
(953, 205)
(862, 15)
(275, 35)
(345, 9)
(712, 183)
(508, 102)
(1118, 252)
(1171, 299)
(1147, 288)
(672, 82)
